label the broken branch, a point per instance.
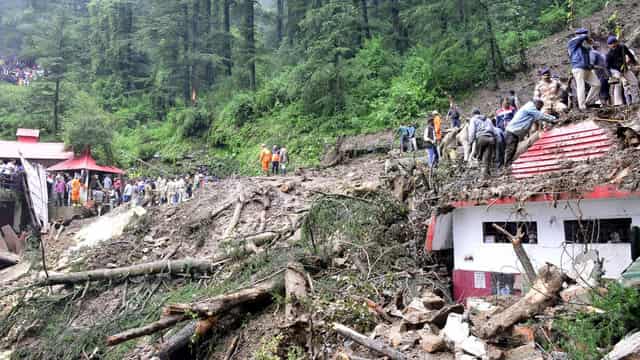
(164, 323)
(369, 343)
(516, 241)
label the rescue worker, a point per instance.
(275, 160)
(76, 186)
(437, 125)
(550, 91)
(481, 133)
(505, 114)
(265, 159)
(599, 62)
(581, 68)
(430, 142)
(619, 61)
(519, 127)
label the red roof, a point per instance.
(28, 132)
(575, 142)
(33, 151)
(84, 162)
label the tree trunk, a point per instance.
(177, 341)
(463, 20)
(375, 345)
(295, 283)
(226, 44)
(398, 33)
(542, 294)
(156, 267)
(56, 107)
(8, 259)
(280, 21)
(163, 323)
(365, 19)
(250, 43)
(222, 303)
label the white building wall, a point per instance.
(468, 237)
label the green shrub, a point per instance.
(589, 335)
(553, 19)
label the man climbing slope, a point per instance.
(519, 127)
(550, 91)
(581, 68)
(481, 133)
(619, 61)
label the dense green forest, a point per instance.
(169, 78)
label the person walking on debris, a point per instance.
(620, 59)
(550, 90)
(500, 144)
(481, 133)
(275, 160)
(284, 159)
(505, 114)
(437, 125)
(599, 62)
(519, 127)
(581, 68)
(265, 159)
(431, 143)
(453, 115)
(404, 138)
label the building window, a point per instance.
(599, 231)
(493, 236)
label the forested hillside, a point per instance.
(169, 78)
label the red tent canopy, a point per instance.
(84, 162)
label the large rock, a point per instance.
(432, 301)
(525, 352)
(474, 346)
(456, 330)
(432, 343)
(439, 318)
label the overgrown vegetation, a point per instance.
(589, 335)
(170, 78)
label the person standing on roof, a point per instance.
(481, 133)
(599, 62)
(619, 61)
(550, 91)
(265, 159)
(582, 69)
(519, 127)
(505, 114)
(453, 115)
(431, 143)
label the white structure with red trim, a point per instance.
(484, 261)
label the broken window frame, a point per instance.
(589, 225)
(529, 228)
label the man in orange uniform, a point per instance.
(265, 159)
(437, 124)
(75, 191)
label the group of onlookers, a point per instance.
(18, 72)
(274, 161)
(103, 190)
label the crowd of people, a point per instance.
(19, 72)
(104, 190)
(492, 139)
(274, 161)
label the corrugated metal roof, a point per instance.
(28, 132)
(575, 142)
(38, 151)
(86, 162)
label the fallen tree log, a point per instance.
(156, 267)
(295, 284)
(163, 323)
(542, 294)
(177, 341)
(8, 259)
(222, 303)
(369, 343)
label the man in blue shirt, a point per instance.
(582, 69)
(408, 137)
(519, 127)
(599, 62)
